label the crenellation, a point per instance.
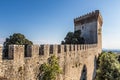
(90, 46)
(76, 48)
(59, 49)
(28, 51)
(39, 54)
(86, 47)
(11, 52)
(82, 47)
(88, 18)
(69, 47)
(51, 49)
(34, 50)
(46, 50)
(41, 50)
(24, 61)
(18, 53)
(1, 53)
(65, 48)
(62, 49)
(55, 48)
(73, 47)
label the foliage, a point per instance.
(69, 37)
(50, 70)
(73, 38)
(108, 67)
(119, 58)
(16, 38)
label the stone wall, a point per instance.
(77, 61)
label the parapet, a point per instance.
(94, 15)
(0, 53)
(16, 52)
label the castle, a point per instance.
(78, 62)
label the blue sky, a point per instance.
(48, 21)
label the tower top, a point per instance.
(89, 17)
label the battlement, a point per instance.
(24, 61)
(92, 16)
(21, 51)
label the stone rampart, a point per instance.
(77, 61)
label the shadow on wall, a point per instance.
(95, 66)
(2, 78)
(84, 73)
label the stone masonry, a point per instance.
(78, 62)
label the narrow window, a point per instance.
(82, 27)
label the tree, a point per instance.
(77, 36)
(69, 37)
(119, 58)
(50, 70)
(108, 67)
(73, 38)
(16, 38)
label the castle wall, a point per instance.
(72, 59)
(78, 62)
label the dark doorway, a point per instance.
(84, 73)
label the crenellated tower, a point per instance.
(91, 28)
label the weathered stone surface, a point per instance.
(71, 62)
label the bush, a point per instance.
(108, 67)
(50, 70)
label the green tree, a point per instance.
(69, 37)
(119, 58)
(108, 67)
(16, 38)
(50, 70)
(73, 38)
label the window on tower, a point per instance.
(82, 27)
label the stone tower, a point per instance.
(91, 28)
